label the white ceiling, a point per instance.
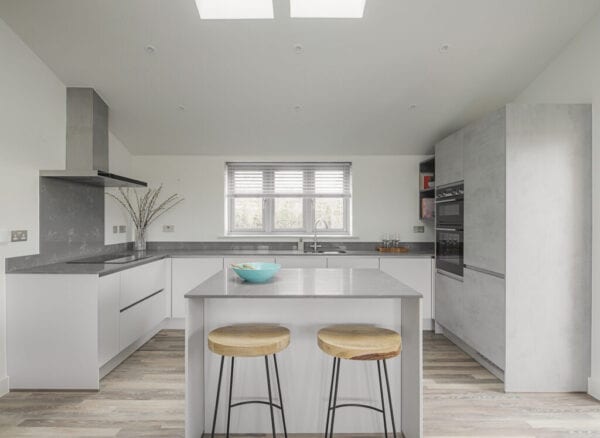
(246, 91)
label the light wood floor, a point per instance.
(144, 398)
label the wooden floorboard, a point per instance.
(144, 397)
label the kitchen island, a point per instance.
(304, 300)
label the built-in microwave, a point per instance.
(449, 248)
(449, 206)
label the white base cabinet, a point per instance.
(108, 317)
(415, 273)
(138, 320)
(62, 329)
(315, 261)
(188, 273)
(353, 262)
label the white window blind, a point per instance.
(306, 180)
(288, 198)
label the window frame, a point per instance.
(308, 207)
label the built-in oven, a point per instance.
(449, 248)
(449, 206)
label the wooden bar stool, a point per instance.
(249, 340)
(359, 342)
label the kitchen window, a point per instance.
(288, 198)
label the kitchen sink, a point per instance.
(326, 251)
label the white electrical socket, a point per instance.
(168, 228)
(115, 229)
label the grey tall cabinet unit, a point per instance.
(523, 304)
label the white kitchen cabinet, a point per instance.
(305, 261)
(141, 281)
(416, 273)
(228, 261)
(353, 262)
(187, 273)
(109, 289)
(449, 159)
(141, 318)
(449, 302)
(484, 314)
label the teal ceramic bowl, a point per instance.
(256, 272)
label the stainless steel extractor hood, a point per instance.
(87, 143)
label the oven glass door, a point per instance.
(449, 251)
(449, 212)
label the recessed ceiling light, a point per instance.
(150, 49)
(327, 8)
(234, 9)
(444, 48)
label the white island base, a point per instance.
(304, 300)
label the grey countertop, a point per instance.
(307, 283)
(102, 269)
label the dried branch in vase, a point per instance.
(144, 209)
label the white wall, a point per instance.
(119, 162)
(574, 77)
(32, 137)
(385, 194)
(32, 111)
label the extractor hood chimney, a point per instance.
(87, 143)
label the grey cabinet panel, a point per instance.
(449, 159)
(485, 315)
(485, 192)
(449, 303)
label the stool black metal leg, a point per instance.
(382, 398)
(280, 398)
(335, 359)
(230, 392)
(335, 394)
(270, 397)
(387, 382)
(212, 434)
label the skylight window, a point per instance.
(327, 8)
(234, 9)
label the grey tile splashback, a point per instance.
(71, 219)
(277, 246)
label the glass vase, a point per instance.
(140, 239)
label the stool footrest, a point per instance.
(255, 402)
(356, 405)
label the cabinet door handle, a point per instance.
(484, 271)
(452, 276)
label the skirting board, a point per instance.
(4, 387)
(594, 388)
(471, 352)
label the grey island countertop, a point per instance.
(103, 269)
(307, 283)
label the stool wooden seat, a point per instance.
(359, 342)
(248, 340)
